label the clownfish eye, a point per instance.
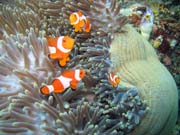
(64, 40)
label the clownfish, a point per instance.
(114, 79)
(60, 48)
(80, 22)
(69, 78)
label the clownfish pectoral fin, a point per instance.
(55, 56)
(77, 29)
(62, 62)
(67, 59)
(74, 85)
(81, 23)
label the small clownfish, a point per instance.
(60, 48)
(80, 22)
(114, 79)
(69, 78)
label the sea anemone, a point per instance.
(95, 107)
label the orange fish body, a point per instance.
(69, 78)
(88, 25)
(114, 79)
(80, 22)
(60, 48)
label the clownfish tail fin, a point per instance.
(44, 90)
(88, 25)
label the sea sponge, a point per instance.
(136, 62)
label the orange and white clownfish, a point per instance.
(60, 48)
(114, 79)
(69, 78)
(80, 22)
